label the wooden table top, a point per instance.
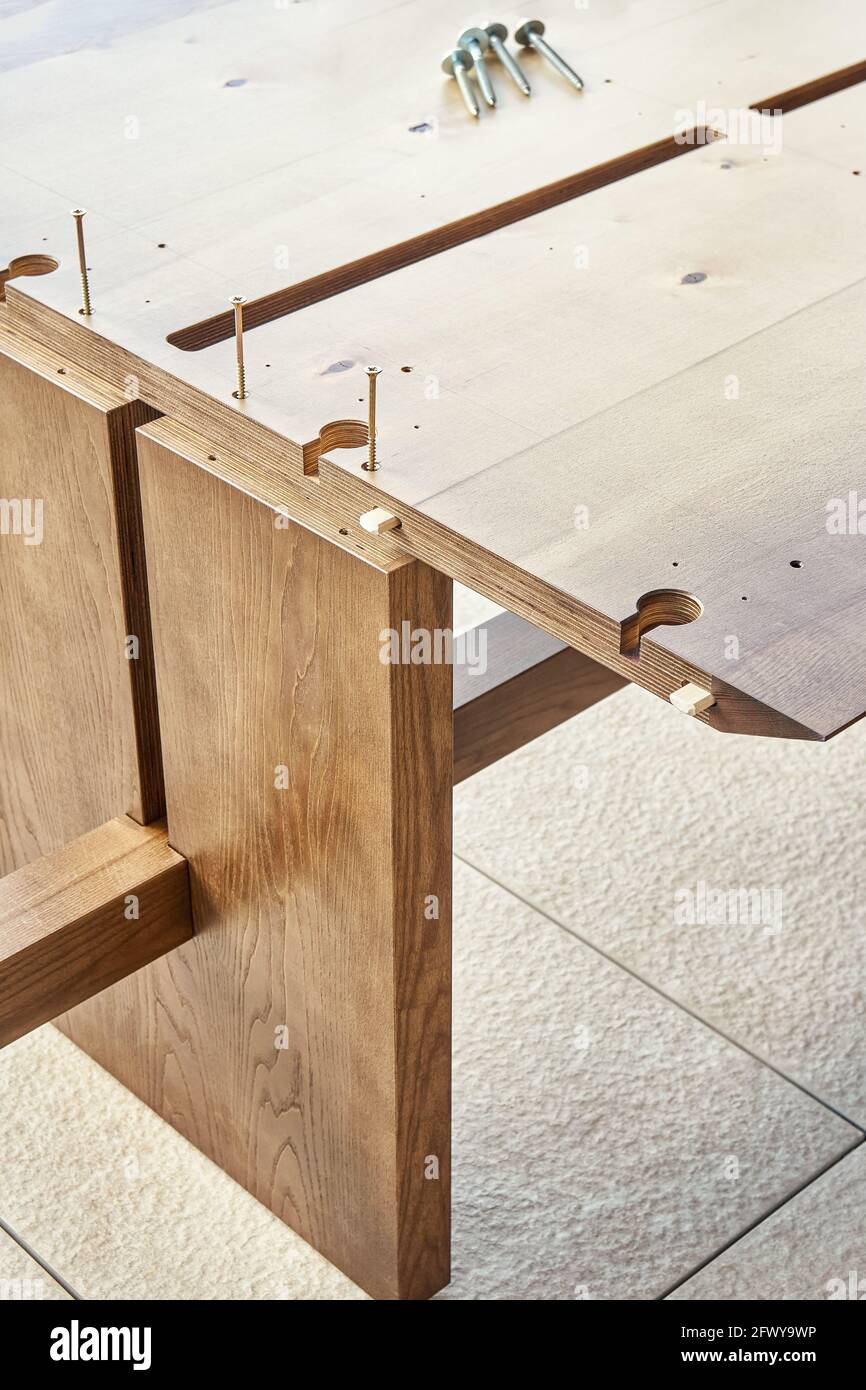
(616, 363)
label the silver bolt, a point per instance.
(497, 34)
(529, 34)
(457, 64)
(476, 42)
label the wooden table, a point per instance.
(620, 334)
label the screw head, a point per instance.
(457, 58)
(79, 212)
(529, 26)
(496, 31)
(478, 36)
(239, 299)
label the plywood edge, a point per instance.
(220, 421)
(656, 670)
(58, 368)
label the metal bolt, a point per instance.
(497, 34)
(529, 34)
(372, 464)
(79, 215)
(457, 64)
(476, 43)
(238, 302)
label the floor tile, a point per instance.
(471, 608)
(122, 1206)
(605, 1141)
(814, 1247)
(643, 831)
(21, 1278)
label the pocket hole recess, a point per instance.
(35, 264)
(658, 608)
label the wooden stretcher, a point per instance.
(621, 395)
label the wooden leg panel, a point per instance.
(79, 737)
(302, 1039)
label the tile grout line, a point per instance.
(677, 1004)
(37, 1258)
(759, 1222)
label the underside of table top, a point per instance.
(645, 379)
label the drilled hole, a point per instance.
(796, 564)
(658, 608)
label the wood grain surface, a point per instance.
(476, 408)
(85, 916)
(79, 736)
(302, 1039)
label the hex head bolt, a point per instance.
(79, 215)
(238, 302)
(497, 34)
(529, 34)
(457, 64)
(476, 43)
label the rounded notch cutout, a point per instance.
(658, 608)
(34, 264)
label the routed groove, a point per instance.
(813, 91)
(359, 272)
(347, 277)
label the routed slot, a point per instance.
(347, 277)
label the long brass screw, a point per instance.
(78, 214)
(238, 302)
(372, 464)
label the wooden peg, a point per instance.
(692, 699)
(378, 520)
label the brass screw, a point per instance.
(238, 302)
(372, 464)
(78, 214)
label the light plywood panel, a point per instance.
(350, 175)
(302, 1040)
(520, 335)
(730, 498)
(511, 343)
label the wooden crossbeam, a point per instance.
(82, 918)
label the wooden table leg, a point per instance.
(79, 743)
(302, 1039)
